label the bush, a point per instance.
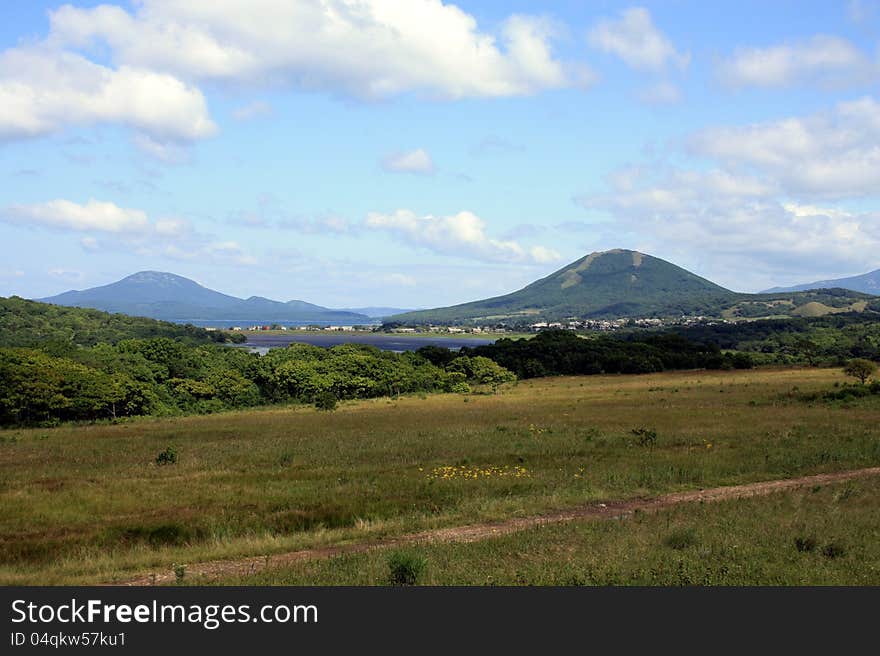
(405, 567)
(681, 539)
(167, 457)
(645, 436)
(326, 401)
(833, 550)
(805, 544)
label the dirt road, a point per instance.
(199, 572)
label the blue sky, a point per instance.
(421, 154)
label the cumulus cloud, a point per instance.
(822, 60)
(762, 204)
(367, 49)
(833, 154)
(635, 39)
(741, 229)
(66, 215)
(414, 161)
(462, 235)
(129, 230)
(43, 91)
(760, 214)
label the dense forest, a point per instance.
(562, 352)
(831, 339)
(28, 323)
(62, 364)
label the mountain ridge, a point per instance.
(867, 283)
(170, 297)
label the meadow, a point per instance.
(819, 535)
(90, 503)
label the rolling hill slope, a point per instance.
(624, 283)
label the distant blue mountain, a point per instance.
(171, 297)
(867, 283)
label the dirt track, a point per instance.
(472, 533)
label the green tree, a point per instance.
(860, 368)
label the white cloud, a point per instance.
(635, 39)
(368, 49)
(43, 90)
(833, 154)
(414, 161)
(822, 60)
(93, 216)
(128, 230)
(745, 238)
(462, 235)
(254, 110)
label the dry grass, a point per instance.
(88, 503)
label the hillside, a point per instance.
(29, 323)
(171, 297)
(867, 283)
(618, 283)
(623, 283)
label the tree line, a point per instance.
(164, 376)
(561, 352)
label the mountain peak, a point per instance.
(163, 295)
(613, 283)
(158, 278)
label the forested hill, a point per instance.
(29, 323)
(617, 283)
(621, 283)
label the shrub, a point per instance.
(833, 550)
(805, 544)
(167, 457)
(405, 567)
(326, 401)
(645, 436)
(681, 538)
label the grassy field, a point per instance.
(89, 503)
(824, 535)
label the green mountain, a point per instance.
(170, 297)
(623, 283)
